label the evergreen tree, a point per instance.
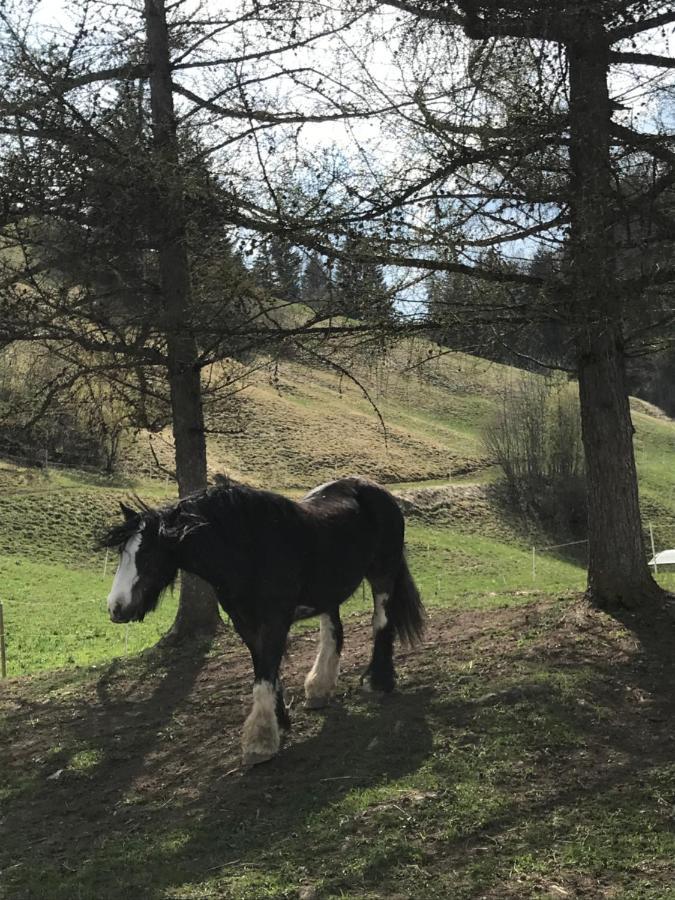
(316, 287)
(360, 288)
(288, 266)
(277, 269)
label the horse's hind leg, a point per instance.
(380, 674)
(283, 719)
(321, 680)
(260, 736)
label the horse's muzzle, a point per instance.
(120, 616)
(116, 617)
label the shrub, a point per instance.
(535, 438)
(45, 414)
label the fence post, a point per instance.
(651, 535)
(3, 656)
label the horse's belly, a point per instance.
(304, 612)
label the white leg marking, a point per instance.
(321, 680)
(379, 615)
(260, 737)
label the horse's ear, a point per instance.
(167, 523)
(128, 512)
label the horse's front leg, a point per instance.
(321, 680)
(260, 737)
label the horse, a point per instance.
(273, 561)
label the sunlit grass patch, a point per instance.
(453, 568)
(55, 616)
(84, 760)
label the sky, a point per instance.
(643, 107)
(625, 88)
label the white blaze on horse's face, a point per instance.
(126, 577)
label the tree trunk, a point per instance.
(618, 574)
(197, 608)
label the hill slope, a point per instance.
(529, 752)
(297, 426)
(294, 425)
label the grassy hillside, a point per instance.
(297, 427)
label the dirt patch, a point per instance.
(128, 777)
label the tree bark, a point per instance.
(197, 608)
(618, 574)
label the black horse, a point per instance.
(272, 561)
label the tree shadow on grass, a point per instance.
(578, 752)
(78, 756)
(553, 729)
(158, 799)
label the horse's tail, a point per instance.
(405, 610)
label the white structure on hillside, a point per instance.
(664, 558)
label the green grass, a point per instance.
(655, 457)
(48, 628)
(455, 569)
(55, 616)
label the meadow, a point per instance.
(55, 613)
(527, 753)
(304, 427)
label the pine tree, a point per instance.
(360, 288)
(316, 286)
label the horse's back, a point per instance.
(313, 552)
(365, 516)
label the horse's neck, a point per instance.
(199, 553)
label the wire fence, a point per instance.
(661, 537)
(551, 547)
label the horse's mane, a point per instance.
(180, 518)
(227, 497)
(116, 536)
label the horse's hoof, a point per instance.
(255, 757)
(382, 686)
(316, 702)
